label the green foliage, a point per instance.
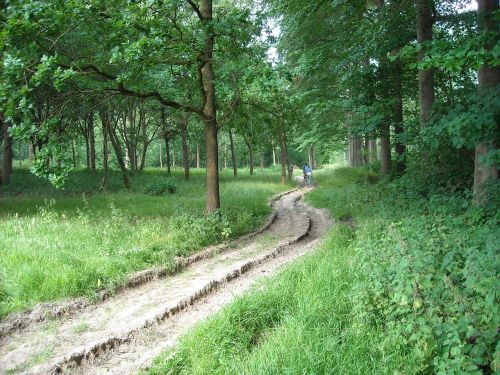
(411, 289)
(161, 187)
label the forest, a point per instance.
(155, 216)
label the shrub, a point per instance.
(161, 187)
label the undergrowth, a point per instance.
(411, 290)
(58, 244)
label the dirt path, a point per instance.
(124, 333)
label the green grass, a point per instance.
(401, 293)
(57, 244)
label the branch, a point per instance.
(155, 95)
(196, 9)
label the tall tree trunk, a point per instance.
(309, 155)
(105, 152)
(262, 160)
(250, 155)
(167, 153)
(372, 149)
(6, 151)
(197, 156)
(173, 156)
(397, 109)
(274, 153)
(355, 151)
(385, 150)
(161, 157)
(92, 142)
(143, 156)
(87, 148)
(233, 154)
(283, 158)
(426, 76)
(185, 147)
(115, 142)
(489, 78)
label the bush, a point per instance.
(160, 187)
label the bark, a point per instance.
(167, 153)
(489, 77)
(6, 151)
(274, 154)
(385, 150)
(91, 143)
(262, 162)
(283, 158)
(250, 155)
(173, 156)
(197, 156)
(105, 163)
(209, 114)
(73, 153)
(425, 21)
(115, 142)
(355, 151)
(161, 158)
(397, 109)
(372, 149)
(309, 155)
(185, 148)
(233, 154)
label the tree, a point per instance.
(489, 79)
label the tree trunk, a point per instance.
(185, 149)
(167, 154)
(372, 149)
(161, 158)
(197, 156)
(262, 161)
(309, 156)
(250, 155)
(173, 156)
(426, 76)
(7, 151)
(385, 150)
(355, 151)
(233, 154)
(87, 147)
(274, 154)
(105, 163)
(143, 157)
(115, 142)
(397, 109)
(283, 158)
(489, 78)
(92, 143)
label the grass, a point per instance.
(401, 293)
(58, 244)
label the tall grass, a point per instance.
(411, 288)
(57, 244)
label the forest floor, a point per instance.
(125, 332)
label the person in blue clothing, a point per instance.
(308, 174)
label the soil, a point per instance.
(123, 333)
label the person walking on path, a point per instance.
(308, 174)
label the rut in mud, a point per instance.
(124, 333)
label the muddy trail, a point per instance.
(122, 334)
